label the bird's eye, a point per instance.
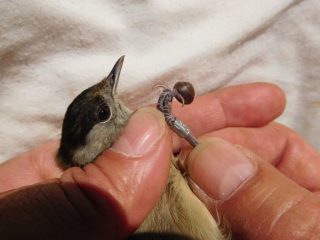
(104, 113)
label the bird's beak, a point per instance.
(115, 73)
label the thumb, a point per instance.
(126, 181)
(107, 199)
(256, 199)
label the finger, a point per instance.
(109, 197)
(248, 105)
(257, 200)
(31, 167)
(282, 147)
(130, 176)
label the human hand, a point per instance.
(264, 182)
(108, 196)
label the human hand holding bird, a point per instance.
(112, 196)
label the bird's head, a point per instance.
(93, 121)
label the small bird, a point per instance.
(92, 123)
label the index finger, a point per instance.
(247, 105)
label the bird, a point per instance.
(92, 123)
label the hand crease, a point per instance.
(65, 193)
(284, 211)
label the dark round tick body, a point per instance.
(185, 92)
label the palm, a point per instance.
(32, 167)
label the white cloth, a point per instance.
(52, 50)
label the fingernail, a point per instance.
(219, 168)
(145, 127)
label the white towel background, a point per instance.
(52, 50)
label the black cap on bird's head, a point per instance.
(93, 121)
